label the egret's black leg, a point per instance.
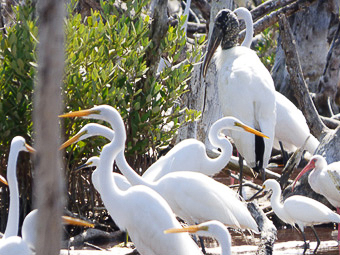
(240, 162)
(202, 245)
(317, 239)
(263, 173)
(201, 242)
(284, 154)
(305, 242)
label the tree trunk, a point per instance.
(203, 94)
(48, 185)
(313, 30)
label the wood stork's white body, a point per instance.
(291, 127)
(246, 91)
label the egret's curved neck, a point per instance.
(119, 132)
(103, 174)
(13, 211)
(128, 172)
(244, 14)
(275, 201)
(224, 239)
(221, 142)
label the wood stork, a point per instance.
(291, 127)
(246, 89)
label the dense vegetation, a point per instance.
(106, 63)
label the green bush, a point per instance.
(106, 64)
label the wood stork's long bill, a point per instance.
(225, 32)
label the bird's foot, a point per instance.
(306, 246)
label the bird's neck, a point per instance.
(219, 142)
(276, 204)
(13, 211)
(128, 172)
(249, 30)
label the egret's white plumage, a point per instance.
(213, 229)
(191, 195)
(18, 144)
(321, 181)
(139, 210)
(299, 210)
(121, 182)
(246, 88)
(16, 245)
(291, 127)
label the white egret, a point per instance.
(291, 127)
(213, 229)
(139, 210)
(16, 245)
(187, 155)
(18, 144)
(241, 75)
(121, 182)
(191, 195)
(300, 210)
(321, 181)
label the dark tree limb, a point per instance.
(318, 129)
(267, 228)
(330, 122)
(204, 8)
(158, 30)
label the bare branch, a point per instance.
(299, 85)
(272, 18)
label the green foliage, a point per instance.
(106, 64)
(266, 47)
(17, 70)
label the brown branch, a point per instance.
(204, 8)
(273, 17)
(299, 85)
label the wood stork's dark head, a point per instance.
(225, 32)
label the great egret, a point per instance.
(291, 127)
(16, 245)
(121, 182)
(139, 210)
(18, 144)
(300, 210)
(213, 229)
(187, 155)
(241, 75)
(321, 181)
(191, 195)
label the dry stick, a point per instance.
(267, 228)
(292, 163)
(272, 18)
(298, 83)
(48, 184)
